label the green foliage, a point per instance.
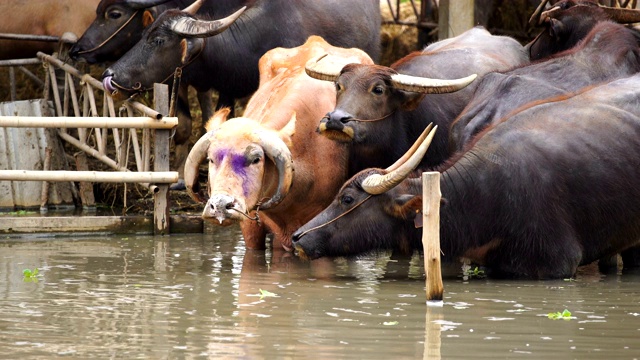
(265, 293)
(30, 275)
(565, 315)
(475, 273)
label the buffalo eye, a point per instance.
(255, 161)
(346, 200)
(378, 90)
(114, 15)
(158, 41)
(338, 87)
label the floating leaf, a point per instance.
(566, 315)
(390, 323)
(265, 293)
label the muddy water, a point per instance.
(203, 296)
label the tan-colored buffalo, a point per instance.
(270, 170)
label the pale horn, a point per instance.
(430, 86)
(278, 152)
(189, 27)
(376, 184)
(192, 166)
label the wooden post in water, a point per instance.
(161, 163)
(431, 236)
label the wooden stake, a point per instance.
(161, 162)
(431, 236)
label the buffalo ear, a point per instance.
(147, 18)
(191, 48)
(217, 119)
(556, 28)
(412, 101)
(408, 207)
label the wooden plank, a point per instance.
(74, 225)
(85, 187)
(161, 162)
(454, 17)
(431, 236)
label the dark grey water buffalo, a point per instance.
(569, 21)
(609, 51)
(552, 187)
(228, 61)
(380, 111)
(119, 25)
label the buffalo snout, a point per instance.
(220, 207)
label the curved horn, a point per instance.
(144, 4)
(327, 71)
(534, 20)
(376, 184)
(430, 86)
(279, 153)
(411, 151)
(193, 8)
(192, 165)
(190, 27)
(622, 16)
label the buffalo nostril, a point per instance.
(295, 237)
(345, 119)
(229, 206)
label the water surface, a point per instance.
(205, 296)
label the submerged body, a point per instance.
(555, 186)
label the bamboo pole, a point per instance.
(88, 122)
(431, 236)
(159, 177)
(44, 195)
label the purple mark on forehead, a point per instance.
(238, 166)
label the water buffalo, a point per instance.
(380, 112)
(568, 22)
(42, 17)
(119, 25)
(228, 62)
(609, 51)
(272, 161)
(555, 186)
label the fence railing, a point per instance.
(97, 129)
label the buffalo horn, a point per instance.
(190, 27)
(192, 166)
(193, 8)
(144, 4)
(279, 153)
(411, 151)
(622, 16)
(325, 70)
(376, 184)
(429, 86)
(534, 20)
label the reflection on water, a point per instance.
(204, 296)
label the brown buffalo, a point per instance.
(272, 160)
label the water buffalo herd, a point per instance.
(536, 144)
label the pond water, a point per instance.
(205, 296)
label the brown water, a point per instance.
(203, 296)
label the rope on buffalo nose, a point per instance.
(112, 35)
(257, 217)
(366, 120)
(336, 218)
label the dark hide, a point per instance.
(555, 186)
(366, 92)
(608, 52)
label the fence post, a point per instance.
(431, 236)
(454, 17)
(161, 163)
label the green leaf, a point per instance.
(26, 272)
(266, 293)
(566, 314)
(390, 323)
